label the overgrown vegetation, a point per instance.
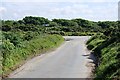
(16, 50)
(106, 47)
(31, 36)
(24, 39)
(57, 26)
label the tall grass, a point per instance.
(13, 56)
(108, 53)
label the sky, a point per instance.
(95, 10)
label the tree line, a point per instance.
(58, 26)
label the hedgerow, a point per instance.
(14, 55)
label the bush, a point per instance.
(107, 50)
(108, 55)
(94, 41)
(15, 37)
(30, 35)
(12, 56)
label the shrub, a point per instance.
(12, 56)
(107, 50)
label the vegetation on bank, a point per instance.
(106, 47)
(19, 46)
(31, 36)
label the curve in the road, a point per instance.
(70, 60)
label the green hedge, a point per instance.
(110, 62)
(13, 56)
(94, 41)
(107, 50)
(72, 33)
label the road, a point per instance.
(70, 60)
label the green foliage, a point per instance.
(12, 56)
(29, 37)
(53, 24)
(64, 22)
(74, 26)
(29, 27)
(15, 37)
(95, 41)
(107, 24)
(6, 28)
(109, 66)
(107, 50)
(35, 20)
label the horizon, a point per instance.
(61, 18)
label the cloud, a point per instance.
(60, 0)
(2, 9)
(73, 9)
(91, 10)
(15, 15)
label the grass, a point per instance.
(14, 56)
(108, 53)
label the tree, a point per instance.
(6, 28)
(35, 20)
(53, 24)
(65, 22)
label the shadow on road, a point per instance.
(91, 63)
(90, 57)
(68, 39)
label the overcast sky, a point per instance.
(96, 10)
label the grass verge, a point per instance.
(13, 56)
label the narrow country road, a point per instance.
(70, 60)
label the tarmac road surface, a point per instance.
(70, 60)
